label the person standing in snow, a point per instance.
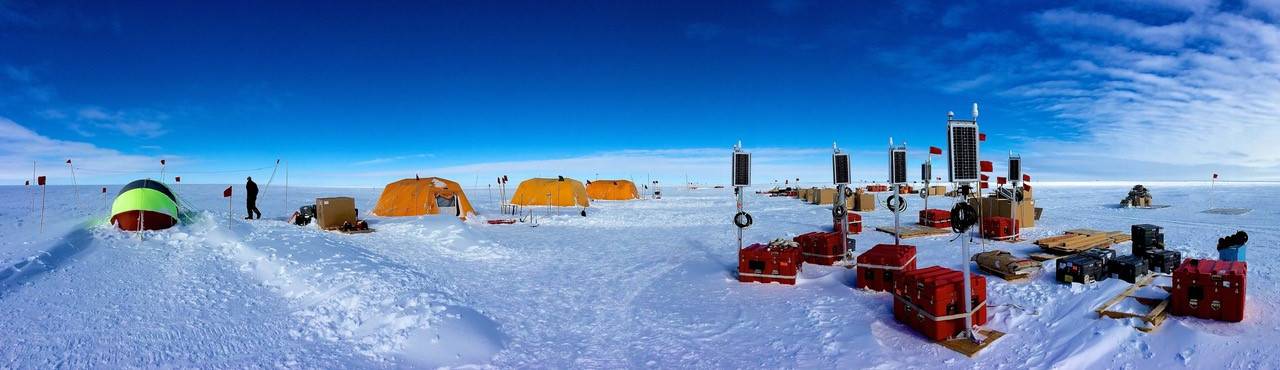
(251, 199)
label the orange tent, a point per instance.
(562, 192)
(612, 190)
(422, 196)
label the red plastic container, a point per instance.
(999, 228)
(762, 263)
(855, 223)
(1210, 289)
(937, 218)
(883, 264)
(929, 301)
(822, 248)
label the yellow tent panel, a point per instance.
(563, 192)
(422, 196)
(612, 190)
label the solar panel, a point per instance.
(1015, 168)
(741, 169)
(926, 171)
(962, 149)
(898, 165)
(840, 168)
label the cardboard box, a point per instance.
(331, 213)
(861, 202)
(802, 193)
(991, 206)
(825, 196)
(811, 196)
(937, 190)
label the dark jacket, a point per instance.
(251, 188)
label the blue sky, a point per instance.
(351, 94)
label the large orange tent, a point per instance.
(422, 196)
(562, 192)
(612, 190)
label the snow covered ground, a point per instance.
(635, 284)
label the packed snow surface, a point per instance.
(646, 283)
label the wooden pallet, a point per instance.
(1012, 278)
(969, 347)
(1079, 240)
(1152, 318)
(915, 231)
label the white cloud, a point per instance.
(20, 146)
(140, 124)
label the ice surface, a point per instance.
(635, 284)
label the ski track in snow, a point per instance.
(635, 284)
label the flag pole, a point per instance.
(42, 196)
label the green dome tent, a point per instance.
(144, 205)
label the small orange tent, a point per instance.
(422, 196)
(612, 190)
(561, 192)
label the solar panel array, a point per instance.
(898, 166)
(926, 171)
(1015, 169)
(741, 169)
(962, 147)
(840, 168)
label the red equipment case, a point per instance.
(822, 248)
(936, 218)
(929, 301)
(1210, 289)
(855, 223)
(769, 264)
(999, 228)
(883, 264)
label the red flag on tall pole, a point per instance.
(40, 181)
(986, 166)
(68, 161)
(1026, 177)
(1001, 180)
(226, 193)
(177, 179)
(982, 137)
(982, 185)
(1215, 176)
(935, 150)
(104, 190)
(985, 177)
(28, 183)
(161, 162)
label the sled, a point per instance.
(365, 231)
(1152, 319)
(909, 231)
(970, 348)
(507, 221)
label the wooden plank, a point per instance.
(968, 347)
(1044, 256)
(914, 231)
(1125, 294)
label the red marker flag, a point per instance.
(177, 179)
(161, 162)
(982, 185)
(68, 161)
(1026, 187)
(40, 181)
(985, 178)
(27, 183)
(982, 137)
(935, 150)
(986, 166)
(1001, 180)
(104, 190)
(1215, 175)
(226, 193)
(1026, 177)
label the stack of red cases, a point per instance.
(999, 228)
(883, 264)
(822, 248)
(936, 218)
(929, 301)
(1210, 289)
(855, 223)
(765, 264)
